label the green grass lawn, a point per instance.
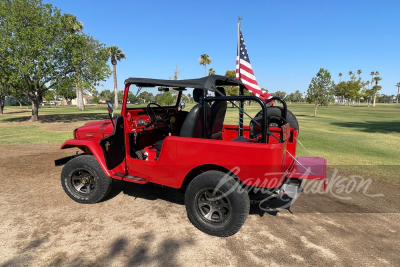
(344, 135)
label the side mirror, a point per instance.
(110, 108)
(182, 105)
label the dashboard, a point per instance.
(137, 123)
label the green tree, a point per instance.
(280, 94)
(398, 88)
(90, 60)
(39, 50)
(231, 90)
(297, 96)
(340, 90)
(165, 99)
(49, 96)
(67, 90)
(96, 100)
(185, 98)
(205, 60)
(145, 97)
(340, 76)
(190, 98)
(320, 89)
(359, 73)
(115, 55)
(211, 71)
(108, 94)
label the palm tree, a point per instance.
(211, 71)
(372, 74)
(340, 76)
(116, 55)
(376, 88)
(351, 73)
(204, 60)
(398, 88)
(359, 72)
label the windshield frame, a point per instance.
(126, 94)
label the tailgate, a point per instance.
(308, 168)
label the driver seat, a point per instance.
(218, 111)
(192, 126)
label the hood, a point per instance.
(95, 129)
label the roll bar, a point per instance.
(264, 124)
(241, 99)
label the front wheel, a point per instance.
(84, 181)
(216, 204)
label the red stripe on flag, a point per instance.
(244, 77)
(249, 70)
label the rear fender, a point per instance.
(89, 148)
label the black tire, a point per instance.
(275, 115)
(84, 181)
(228, 213)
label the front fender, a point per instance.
(89, 147)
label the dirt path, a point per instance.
(147, 225)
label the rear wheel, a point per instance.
(216, 204)
(84, 181)
(275, 117)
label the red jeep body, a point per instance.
(266, 165)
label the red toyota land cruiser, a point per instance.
(220, 168)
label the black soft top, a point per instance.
(205, 83)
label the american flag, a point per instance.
(244, 72)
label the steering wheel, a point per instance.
(156, 119)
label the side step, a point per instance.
(129, 178)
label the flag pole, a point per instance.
(238, 47)
(241, 103)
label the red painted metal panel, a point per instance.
(179, 155)
(309, 168)
(89, 146)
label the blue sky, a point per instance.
(287, 41)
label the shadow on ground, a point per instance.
(139, 254)
(67, 118)
(147, 191)
(6, 112)
(154, 192)
(372, 126)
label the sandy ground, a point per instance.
(147, 225)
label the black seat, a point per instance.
(218, 111)
(192, 126)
